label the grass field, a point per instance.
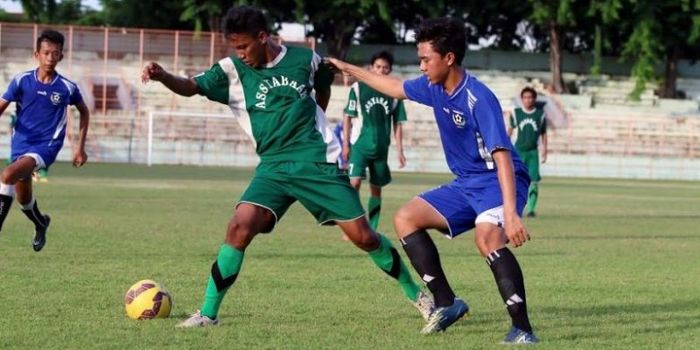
(613, 264)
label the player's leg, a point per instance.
(411, 223)
(262, 204)
(532, 194)
(21, 168)
(532, 161)
(30, 208)
(357, 172)
(379, 176)
(491, 241)
(327, 194)
(374, 206)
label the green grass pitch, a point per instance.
(613, 264)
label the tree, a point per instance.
(665, 31)
(554, 15)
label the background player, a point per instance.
(369, 117)
(531, 125)
(270, 89)
(491, 181)
(42, 97)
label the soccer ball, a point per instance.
(147, 299)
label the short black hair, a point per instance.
(244, 20)
(51, 36)
(446, 34)
(383, 55)
(530, 90)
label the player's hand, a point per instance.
(152, 71)
(544, 158)
(515, 231)
(79, 158)
(337, 65)
(402, 160)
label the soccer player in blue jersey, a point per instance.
(491, 181)
(42, 97)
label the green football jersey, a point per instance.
(373, 115)
(530, 126)
(275, 104)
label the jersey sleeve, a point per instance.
(489, 120)
(76, 97)
(418, 90)
(213, 84)
(13, 92)
(544, 124)
(400, 113)
(351, 107)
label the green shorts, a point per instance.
(322, 188)
(531, 159)
(379, 173)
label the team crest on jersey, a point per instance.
(458, 119)
(55, 98)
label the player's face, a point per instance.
(528, 100)
(380, 66)
(49, 55)
(250, 49)
(432, 64)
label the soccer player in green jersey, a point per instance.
(278, 95)
(369, 116)
(531, 126)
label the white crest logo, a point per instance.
(458, 119)
(55, 98)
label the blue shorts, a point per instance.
(464, 199)
(43, 154)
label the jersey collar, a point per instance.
(460, 87)
(277, 59)
(36, 78)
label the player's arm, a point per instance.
(398, 135)
(3, 105)
(515, 230)
(81, 156)
(347, 126)
(544, 140)
(386, 84)
(508, 116)
(179, 85)
(322, 98)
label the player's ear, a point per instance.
(450, 57)
(262, 36)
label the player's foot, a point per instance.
(197, 320)
(40, 235)
(425, 305)
(444, 317)
(519, 336)
(531, 214)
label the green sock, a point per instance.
(532, 197)
(374, 208)
(223, 274)
(388, 259)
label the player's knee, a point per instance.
(403, 218)
(367, 241)
(239, 233)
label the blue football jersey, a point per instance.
(470, 122)
(41, 109)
